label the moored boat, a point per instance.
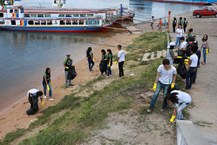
(58, 19)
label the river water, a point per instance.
(24, 56)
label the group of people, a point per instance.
(70, 73)
(165, 80)
(34, 94)
(189, 54)
(106, 61)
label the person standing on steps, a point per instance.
(166, 76)
(67, 63)
(121, 59)
(90, 58)
(47, 83)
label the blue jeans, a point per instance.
(67, 82)
(45, 89)
(179, 115)
(90, 64)
(178, 41)
(204, 54)
(156, 93)
(109, 71)
(190, 77)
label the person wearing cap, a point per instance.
(67, 63)
(170, 53)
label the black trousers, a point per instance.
(121, 70)
(33, 105)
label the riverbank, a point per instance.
(15, 117)
(125, 123)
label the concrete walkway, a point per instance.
(204, 91)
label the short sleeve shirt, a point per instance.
(32, 91)
(194, 60)
(121, 56)
(182, 97)
(166, 76)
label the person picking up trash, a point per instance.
(166, 76)
(33, 96)
(180, 100)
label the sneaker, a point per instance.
(45, 97)
(51, 99)
(71, 85)
(149, 110)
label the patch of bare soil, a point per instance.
(129, 127)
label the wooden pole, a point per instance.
(169, 14)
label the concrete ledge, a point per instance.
(188, 134)
(145, 57)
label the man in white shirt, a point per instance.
(121, 59)
(33, 96)
(192, 71)
(166, 76)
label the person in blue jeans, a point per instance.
(192, 71)
(166, 76)
(205, 48)
(47, 83)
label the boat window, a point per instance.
(81, 22)
(89, 15)
(1, 15)
(68, 23)
(92, 22)
(13, 22)
(49, 22)
(47, 15)
(11, 11)
(33, 15)
(37, 22)
(26, 15)
(74, 23)
(2, 22)
(15, 11)
(43, 22)
(62, 22)
(68, 15)
(40, 15)
(61, 15)
(30, 22)
(75, 15)
(82, 15)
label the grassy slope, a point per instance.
(72, 120)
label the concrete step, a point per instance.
(159, 54)
(146, 57)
